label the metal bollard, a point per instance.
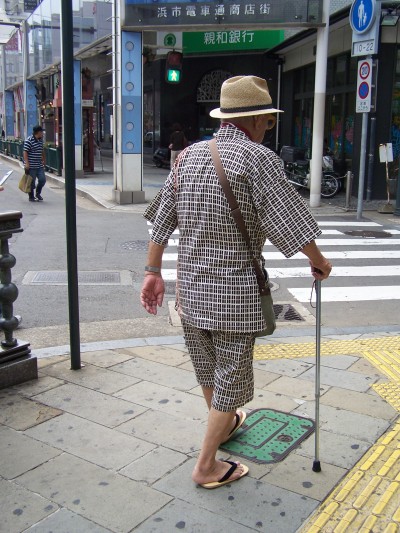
(349, 182)
(10, 348)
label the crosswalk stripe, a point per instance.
(350, 294)
(305, 272)
(335, 242)
(374, 249)
(358, 242)
(324, 232)
(348, 254)
(347, 223)
(335, 223)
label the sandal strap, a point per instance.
(236, 423)
(230, 471)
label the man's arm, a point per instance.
(153, 288)
(320, 266)
(26, 160)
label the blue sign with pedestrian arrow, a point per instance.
(362, 15)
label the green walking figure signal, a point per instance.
(173, 67)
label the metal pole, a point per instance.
(317, 464)
(371, 158)
(278, 102)
(363, 148)
(319, 107)
(67, 68)
(349, 183)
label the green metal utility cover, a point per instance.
(268, 436)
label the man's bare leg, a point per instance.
(207, 468)
(208, 393)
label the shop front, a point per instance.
(343, 125)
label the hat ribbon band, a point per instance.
(244, 109)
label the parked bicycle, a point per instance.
(298, 172)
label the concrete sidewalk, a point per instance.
(111, 447)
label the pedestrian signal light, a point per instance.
(173, 67)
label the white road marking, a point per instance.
(336, 242)
(346, 223)
(349, 254)
(350, 294)
(358, 242)
(305, 272)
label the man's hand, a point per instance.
(321, 270)
(1, 188)
(152, 293)
(26, 169)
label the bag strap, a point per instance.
(237, 215)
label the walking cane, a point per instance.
(317, 464)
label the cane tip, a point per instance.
(316, 466)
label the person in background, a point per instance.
(34, 162)
(177, 141)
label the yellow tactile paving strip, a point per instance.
(368, 498)
(389, 392)
(348, 347)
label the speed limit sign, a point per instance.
(364, 78)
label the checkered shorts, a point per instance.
(222, 360)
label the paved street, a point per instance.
(110, 447)
(112, 247)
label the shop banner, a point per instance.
(146, 14)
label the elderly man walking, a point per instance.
(217, 292)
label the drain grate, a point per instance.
(287, 313)
(268, 436)
(60, 277)
(135, 245)
(368, 234)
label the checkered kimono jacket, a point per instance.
(216, 284)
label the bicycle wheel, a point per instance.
(329, 186)
(293, 179)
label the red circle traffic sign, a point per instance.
(364, 70)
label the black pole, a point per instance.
(397, 210)
(67, 71)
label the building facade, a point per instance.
(30, 85)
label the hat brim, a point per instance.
(217, 113)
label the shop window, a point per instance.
(353, 66)
(309, 78)
(303, 124)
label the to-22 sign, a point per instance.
(364, 48)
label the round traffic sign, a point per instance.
(362, 15)
(363, 90)
(365, 70)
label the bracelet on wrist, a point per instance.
(156, 270)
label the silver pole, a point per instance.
(317, 464)
(278, 103)
(319, 107)
(363, 151)
(349, 179)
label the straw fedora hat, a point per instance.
(243, 96)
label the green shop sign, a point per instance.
(230, 40)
